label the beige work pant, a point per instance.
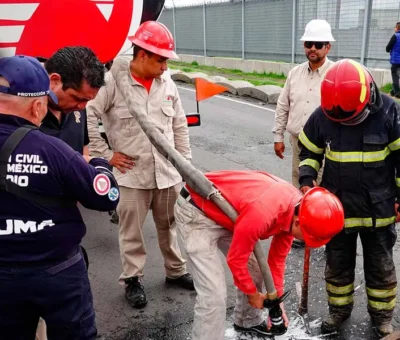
(41, 330)
(132, 210)
(296, 162)
(202, 238)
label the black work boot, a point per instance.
(333, 323)
(184, 281)
(134, 293)
(260, 329)
(383, 329)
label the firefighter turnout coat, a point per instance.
(362, 163)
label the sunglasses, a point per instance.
(318, 45)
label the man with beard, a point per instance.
(301, 93)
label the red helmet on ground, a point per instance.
(321, 217)
(155, 37)
(346, 92)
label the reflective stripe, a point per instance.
(398, 181)
(357, 222)
(383, 222)
(340, 301)
(395, 145)
(367, 222)
(358, 156)
(340, 290)
(382, 305)
(311, 162)
(310, 146)
(381, 293)
(361, 72)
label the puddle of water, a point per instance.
(296, 331)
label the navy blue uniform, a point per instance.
(42, 273)
(72, 129)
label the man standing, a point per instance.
(76, 75)
(301, 93)
(393, 47)
(147, 179)
(42, 269)
(267, 207)
(358, 131)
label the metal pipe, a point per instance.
(367, 11)
(294, 32)
(243, 54)
(192, 176)
(204, 28)
(174, 21)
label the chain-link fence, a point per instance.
(271, 29)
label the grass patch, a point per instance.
(386, 88)
(256, 79)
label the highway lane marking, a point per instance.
(231, 100)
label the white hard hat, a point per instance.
(318, 30)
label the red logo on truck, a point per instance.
(40, 27)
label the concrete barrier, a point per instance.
(381, 76)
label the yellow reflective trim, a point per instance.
(395, 145)
(357, 222)
(382, 305)
(361, 72)
(311, 162)
(310, 146)
(340, 290)
(340, 301)
(383, 222)
(398, 181)
(382, 293)
(358, 156)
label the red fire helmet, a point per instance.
(321, 217)
(156, 38)
(346, 92)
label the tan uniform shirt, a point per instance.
(301, 95)
(164, 109)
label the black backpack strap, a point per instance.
(6, 185)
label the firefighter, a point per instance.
(267, 207)
(147, 179)
(357, 129)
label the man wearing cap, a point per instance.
(267, 207)
(301, 93)
(147, 179)
(42, 272)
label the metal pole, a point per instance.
(243, 56)
(294, 32)
(367, 17)
(337, 25)
(204, 28)
(174, 21)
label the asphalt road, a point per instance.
(234, 134)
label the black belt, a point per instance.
(185, 194)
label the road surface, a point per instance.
(234, 134)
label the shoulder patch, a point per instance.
(101, 184)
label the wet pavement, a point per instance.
(232, 136)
